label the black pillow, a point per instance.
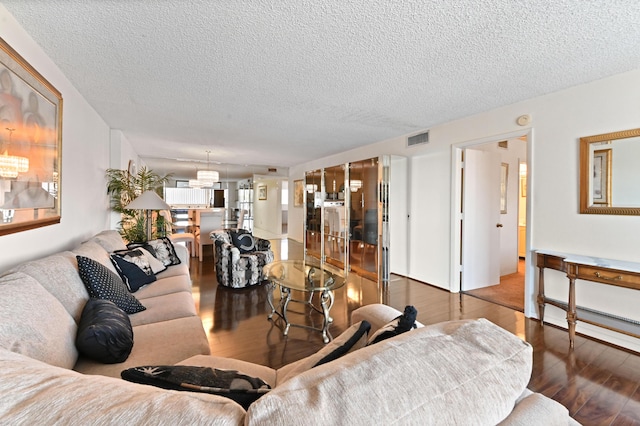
(228, 383)
(133, 267)
(360, 334)
(401, 324)
(101, 283)
(104, 332)
(243, 241)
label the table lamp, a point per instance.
(148, 200)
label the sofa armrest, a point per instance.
(377, 315)
(534, 407)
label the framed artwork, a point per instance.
(262, 192)
(504, 174)
(601, 190)
(298, 193)
(30, 145)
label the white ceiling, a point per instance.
(280, 82)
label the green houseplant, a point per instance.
(122, 188)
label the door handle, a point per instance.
(498, 225)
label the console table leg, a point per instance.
(541, 294)
(571, 312)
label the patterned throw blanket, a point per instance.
(228, 383)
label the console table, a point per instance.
(603, 271)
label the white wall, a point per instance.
(267, 214)
(559, 120)
(85, 157)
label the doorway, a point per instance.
(493, 232)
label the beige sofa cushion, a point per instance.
(34, 323)
(58, 274)
(95, 251)
(110, 240)
(35, 393)
(165, 307)
(162, 343)
(165, 285)
(459, 372)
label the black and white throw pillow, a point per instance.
(101, 283)
(399, 325)
(243, 241)
(133, 267)
(164, 251)
(104, 333)
(228, 383)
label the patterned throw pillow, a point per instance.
(134, 268)
(243, 241)
(164, 251)
(156, 265)
(101, 283)
(228, 383)
(399, 325)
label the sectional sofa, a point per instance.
(459, 372)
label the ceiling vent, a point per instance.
(272, 170)
(419, 139)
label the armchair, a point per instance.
(236, 267)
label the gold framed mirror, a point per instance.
(609, 173)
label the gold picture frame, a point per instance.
(30, 145)
(504, 177)
(298, 193)
(262, 192)
(601, 185)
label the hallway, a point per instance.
(509, 293)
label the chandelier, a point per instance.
(195, 183)
(355, 184)
(207, 178)
(11, 165)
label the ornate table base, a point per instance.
(326, 302)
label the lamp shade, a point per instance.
(148, 200)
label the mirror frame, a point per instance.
(585, 175)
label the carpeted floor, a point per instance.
(509, 293)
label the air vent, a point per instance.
(272, 170)
(418, 139)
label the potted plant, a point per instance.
(122, 188)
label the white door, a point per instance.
(481, 223)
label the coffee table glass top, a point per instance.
(304, 275)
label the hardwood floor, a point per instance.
(598, 383)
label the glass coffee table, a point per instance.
(308, 277)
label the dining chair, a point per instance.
(207, 221)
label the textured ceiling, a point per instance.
(277, 83)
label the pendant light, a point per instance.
(208, 177)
